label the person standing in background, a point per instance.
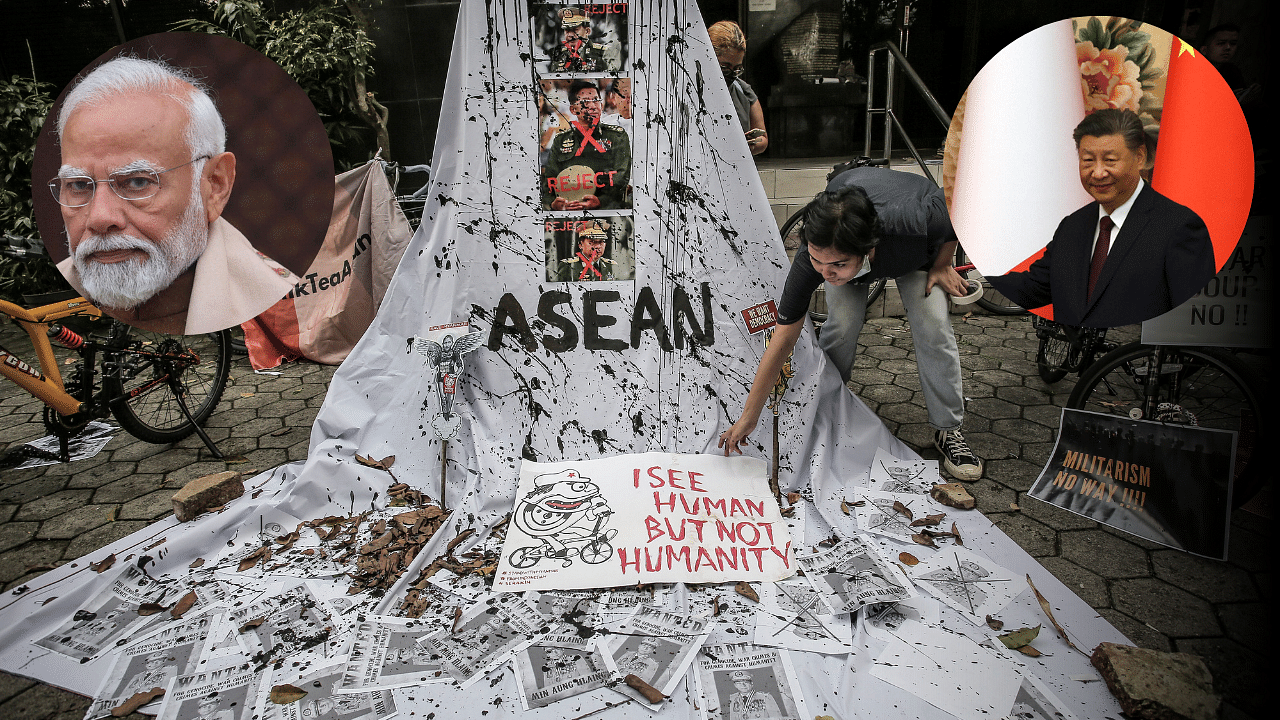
(731, 49)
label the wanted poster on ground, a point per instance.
(653, 517)
(792, 616)
(152, 662)
(387, 653)
(487, 635)
(108, 616)
(736, 682)
(656, 646)
(967, 582)
(853, 573)
(571, 617)
(226, 693)
(546, 674)
(321, 701)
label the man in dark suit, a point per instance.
(1129, 256)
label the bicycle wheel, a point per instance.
(153, 369)
(1195, 386)
(1051, 358)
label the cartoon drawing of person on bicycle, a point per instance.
(565, 513)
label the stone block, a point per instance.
(1153, 685)
(953, 495)
(207, 492)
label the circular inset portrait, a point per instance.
(1099, 171)
(182, 182)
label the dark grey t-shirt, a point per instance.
(743, 98)
(915, 224)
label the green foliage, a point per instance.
(23, 106)
(326, 50)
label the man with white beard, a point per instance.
(145, 177)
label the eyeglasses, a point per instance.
(734, 70)
(596, 101)
(132, 185)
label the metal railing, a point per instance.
(894, 59)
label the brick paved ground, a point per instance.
(1157, 597)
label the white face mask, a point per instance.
(866, 268)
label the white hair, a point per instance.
(205, 133)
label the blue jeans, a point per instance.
(937, 357)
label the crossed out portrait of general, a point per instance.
(143, 181)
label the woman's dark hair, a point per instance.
(1111, 121)
(843, 219)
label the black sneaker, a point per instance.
(957, 458)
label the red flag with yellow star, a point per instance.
(1204, 159)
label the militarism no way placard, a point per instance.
(653, 517)
(1167, 483)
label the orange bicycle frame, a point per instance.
(45, 383)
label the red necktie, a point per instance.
(1100, 251)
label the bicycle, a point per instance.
(1192, 386)
(593, 548)
(160, 388)
(1067, 348)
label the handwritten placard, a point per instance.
(1167, 483)
(653, 517)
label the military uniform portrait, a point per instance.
(588, 164)
(589, 38)
(589, 249)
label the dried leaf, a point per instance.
(902, 509)
(184, 604)
(235, 460)
(744, 589)
(369, 461)
(135, 701)
(1014, 506)
(649, 692)
(859, 503)
(285, 694)
(252, 624)
(246, 394)
(1044, 605)
(48, 600)
(156, 544)
(956, 533)
(908, 559)
(844, 507)
(793, 497)
(995, 624)
(928, 520)
(461, 536)
(113, 513)
(1029, 651)
(923, 539)
(198, 562)
(1017, 638)
(387, 462)
(146, 609)
(282, 431)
